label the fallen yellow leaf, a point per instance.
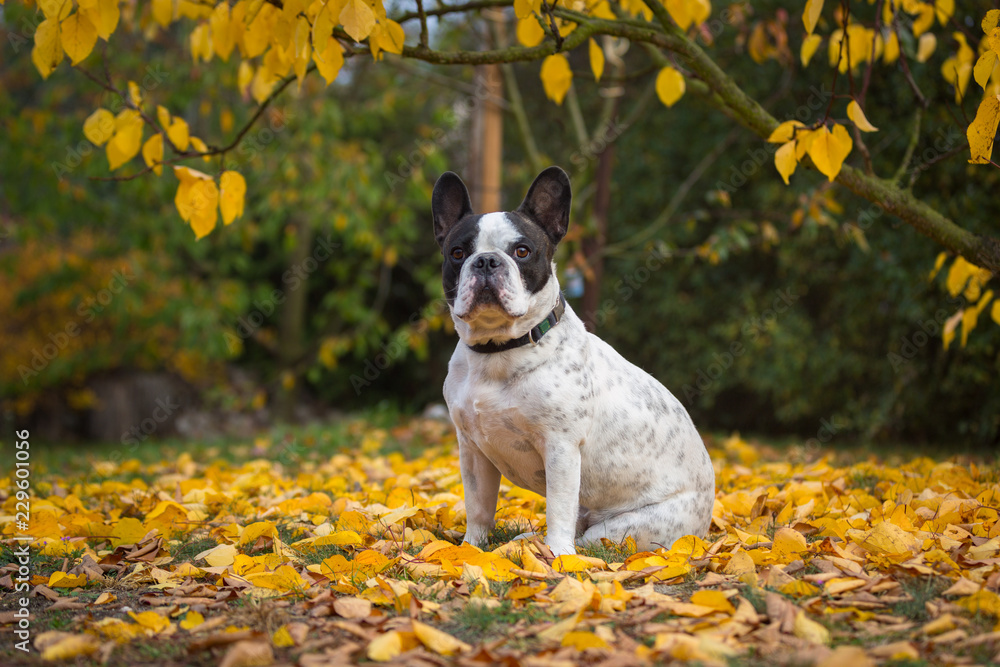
(438, 641)
(809, 630)
(581, 641)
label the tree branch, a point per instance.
(444, 10)
(510, 54)
(676, 200)
(576, 117)
(182, 155)
(705, 77)
(911, 146)
(982, 251)
(521, 117)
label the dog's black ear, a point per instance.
(548, 201)
(449, 203)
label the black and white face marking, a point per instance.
(497, 268)
(497, 260)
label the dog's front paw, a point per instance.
(560, 549)
(477, 535)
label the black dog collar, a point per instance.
(532, 336)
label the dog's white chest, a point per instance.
(496, 423)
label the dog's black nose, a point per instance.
(486, 261)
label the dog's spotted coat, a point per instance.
(611, 449)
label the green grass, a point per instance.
(845, 447)
(504, 532)
(288, 445)
(159, 650)
(609, 553)
(755, 596)
(921, 590)
(289, 534)
(476, 623)
(188, 549)
(865, 481)
(40, 563)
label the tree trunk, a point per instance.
(291, 328)
(593, 246)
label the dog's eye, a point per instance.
(522, 251)
(458, 253)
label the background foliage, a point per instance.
(350, 165)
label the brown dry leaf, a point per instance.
(59, 646)
(46, 593)
(248, 654)
(781, 611)
(896, 651)
(352, 607)
(962, 587)
(847, 656)
(67, 604)
(225, 638)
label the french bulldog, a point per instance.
(537, 398)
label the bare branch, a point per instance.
(911, 146)
(909, 77)
(444, 10)
(423, 23)
(185, 155)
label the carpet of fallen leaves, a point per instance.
(293, 555)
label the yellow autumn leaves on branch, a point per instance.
(856, 44)
(850, 47)
(281, 42)
(970, 281)
(199, 200)
(983, 129)
(72, 35)
(285, 40)
(556, 74)
(827, 148)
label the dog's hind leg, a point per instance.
(582, 521)
(656, 525)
